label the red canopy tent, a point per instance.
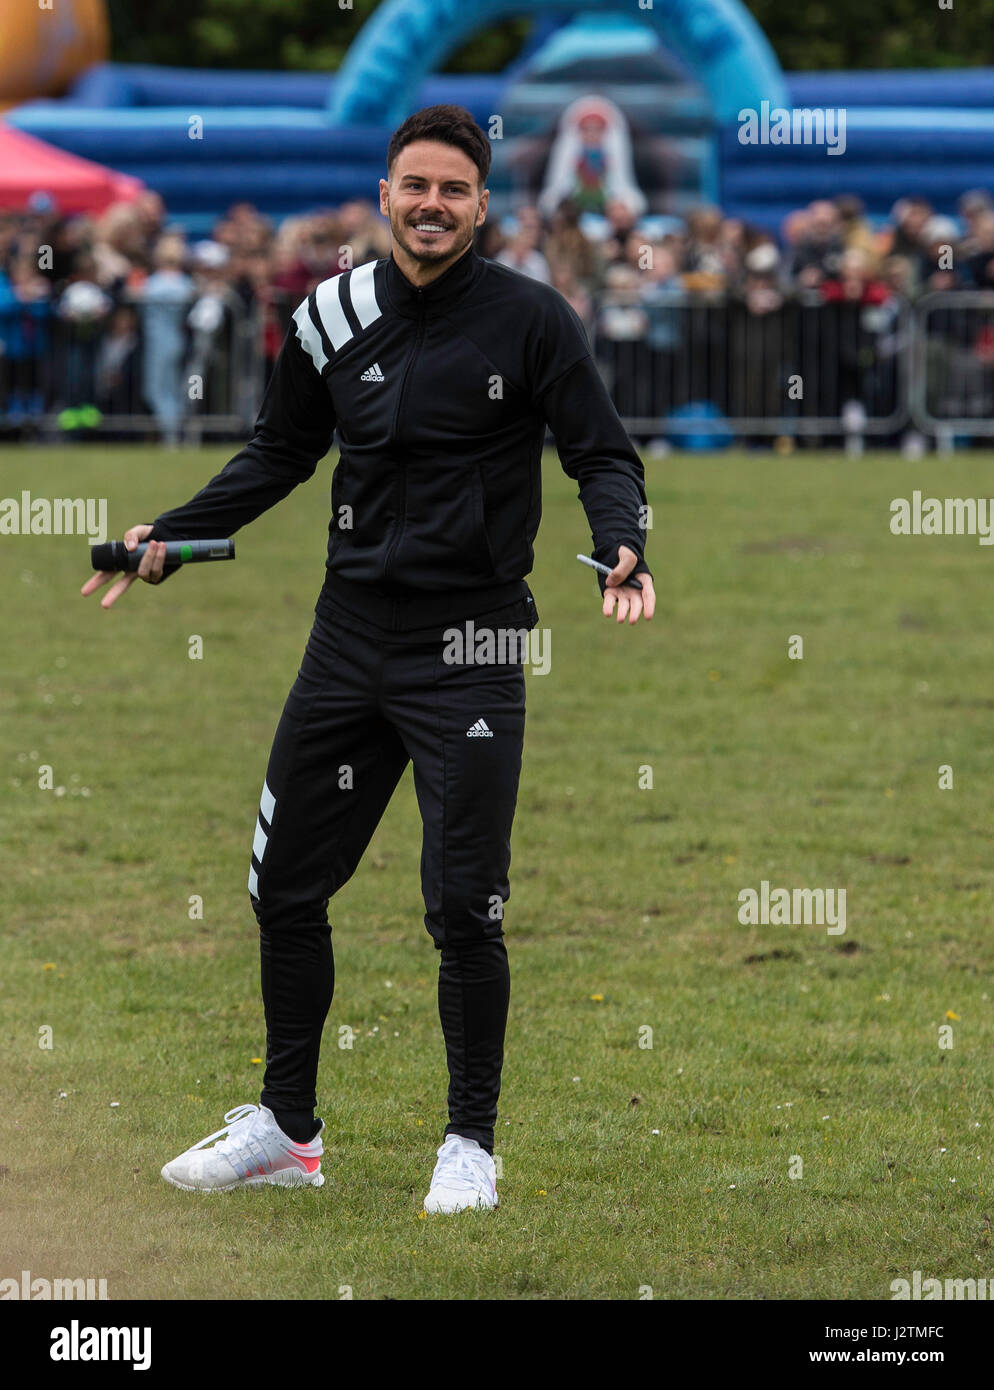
(29, 165)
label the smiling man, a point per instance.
(426, 243)
(439, 370)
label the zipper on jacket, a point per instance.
(402, 513)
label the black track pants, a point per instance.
(361, 707)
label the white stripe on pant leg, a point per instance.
(267, 808)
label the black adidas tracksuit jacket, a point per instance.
(440, 397)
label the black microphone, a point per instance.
(114, 555)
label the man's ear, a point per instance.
(481, 215)
(384, 199)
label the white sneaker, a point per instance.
(255, 1152)
(464, 1177)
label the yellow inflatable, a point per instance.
(44, 44)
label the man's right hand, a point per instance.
(150, 569)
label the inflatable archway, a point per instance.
(406, 40)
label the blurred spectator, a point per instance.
(65, 237)
(979, 249)
(819, 248)
(24, 308)
(564, 279)
(938, 255)
(521, 251)
(29, 283)
(165, 300)
(761, 292)
(490, 240)
(83, 307)
(973, 207)
(898, 274)
(566, 245)
(623, 320)
(116, 363)
(205, 320)
(635, 251)
(732, 243)
(908, 216)
(676, 246)
(705, 263)
(621, 221)
(858, 325)
(120, 248)
(150, 212)
(661, 297)
(757, 366)
(855, 282)
(794, 229)
(857, 234)
(364, 230)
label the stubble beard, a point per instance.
(426, 255)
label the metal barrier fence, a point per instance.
(171, 365)
(952, 379)
(719, 366)
(762, 365)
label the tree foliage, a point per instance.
(314, 35)
(271, 35)
(819, 35)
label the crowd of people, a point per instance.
(114, 315)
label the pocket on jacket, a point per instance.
(480, 498)
(445, 532)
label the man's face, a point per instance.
(916, 217)
(823, 221)
(433, 186)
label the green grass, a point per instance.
(769, 1042)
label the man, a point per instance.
(439, 370)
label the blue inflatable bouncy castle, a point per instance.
(292, 141)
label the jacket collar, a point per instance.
(435, 298)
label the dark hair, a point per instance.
(452, 125)
(849, 206)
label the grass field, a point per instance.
(624, 1166)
